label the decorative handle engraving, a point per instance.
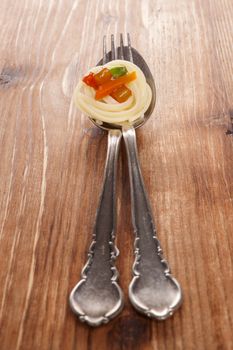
(152, 291)
(97, 297)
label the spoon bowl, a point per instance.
(141, 63)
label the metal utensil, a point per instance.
(152, 291)
(97, 297)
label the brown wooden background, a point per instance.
(52, 159)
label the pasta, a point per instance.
(107, 109)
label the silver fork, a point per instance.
(97, 297)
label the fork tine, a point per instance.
(119, 51)
(129, 48)
(104, 50)
(113, 52)
(121, 48)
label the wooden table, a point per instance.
(52, 161)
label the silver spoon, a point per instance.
(97, 297)
(152, 291)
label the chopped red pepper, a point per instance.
(90, 80)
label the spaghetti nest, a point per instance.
(108, 110)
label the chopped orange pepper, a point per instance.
(121, 94)
(107, 88)
(103, 76)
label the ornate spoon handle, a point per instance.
(97, 297)
(152, 291)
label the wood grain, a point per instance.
(52, 162)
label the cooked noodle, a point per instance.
(107, 109)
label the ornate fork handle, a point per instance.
(97, 297)
(152, 291)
